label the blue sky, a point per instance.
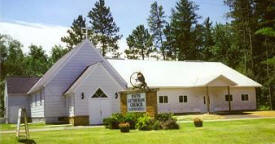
(127, 13)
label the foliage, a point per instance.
(113, 121)
(104, 28)
(144, 123)
(170, 124)
(156, 125)
(124, 127)
(140, 43)
(198, 122)
(75, 33)
(183, 18)
(132, 118)
(264, 107)
(57, 52)
(164, 117)
(156, 23)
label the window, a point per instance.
(228, 97)
(244, 97)
(183, 99)
(163, 99)
(38, 99)
(99, 94)
(41, 97)
(203, 99)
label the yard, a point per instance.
(260, 131)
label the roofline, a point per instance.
(199, 86)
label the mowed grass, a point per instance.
(32, 126)
(260, 131)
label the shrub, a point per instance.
(113, 121)
(124, 127)
(132, 118)
(156, 125)
(170, 124)
(264, 107)
(164, 117)
(144, 123)
(198, 122)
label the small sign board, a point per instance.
(136, 102)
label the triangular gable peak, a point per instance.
(67, 61)
(221, 81)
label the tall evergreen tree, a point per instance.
(104, 28)
(183, 19)
(75, 33)
(140, 43)
(157, 22)
(208, 41)
(169, 43)
(244, 22)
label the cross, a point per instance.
(86, 29)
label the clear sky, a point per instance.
(60, 13)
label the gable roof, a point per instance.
(85, 74)
(179, 74)
(54, 69)
(20, 85)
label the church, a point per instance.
(85, 87)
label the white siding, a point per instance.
(195, 99)
(55, 101)
(37, 104)
(16, 101)
(98, 78)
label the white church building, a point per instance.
(85, 84)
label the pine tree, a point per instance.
(169, 43)
(140, 43)
(157, 22)
(104, 28)
(76, 34)
(208, 41)
(183, 19)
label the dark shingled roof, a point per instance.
(19, 84)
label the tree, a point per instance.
(157, 22)
(244, 22)
(208, 41)
(76, 34)
(36, 61)
(104, 28)
(183, 18)
(57, 52)
(169, 43)
(140, 43)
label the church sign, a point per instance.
(136, 102)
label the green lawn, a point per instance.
(226, 132)
(32, 126)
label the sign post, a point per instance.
(136, 102)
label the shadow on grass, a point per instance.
(26, 141)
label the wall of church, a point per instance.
(37, 105)
(197, 101)
(98, 78)
(55, 101)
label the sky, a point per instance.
(44, 22)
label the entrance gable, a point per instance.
(221, 81)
